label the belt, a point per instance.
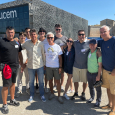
(92, 73)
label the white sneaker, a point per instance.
(54, 88)
(46, 90)
(66, 97)
(70, 91)
(37, 90)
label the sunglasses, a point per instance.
(58, 29)
(50, 37)
(69, 41)
(81, 34)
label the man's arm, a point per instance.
(100, 65)
(43, 54)
(60, 63)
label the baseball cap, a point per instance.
(93, 41)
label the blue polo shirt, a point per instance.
(108, 53)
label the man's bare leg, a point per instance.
(4, 95)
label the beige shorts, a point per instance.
(79, 75)
(108, 81)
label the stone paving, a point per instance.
(53, 107)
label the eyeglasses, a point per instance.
(58, 29)
(69, 41)
(50, 37)
(81, 34)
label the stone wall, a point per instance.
(47, 16)
(93, 31)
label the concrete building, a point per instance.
(35, 14)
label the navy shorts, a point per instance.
(68, 70)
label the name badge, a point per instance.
(16, 46)
(82, 50)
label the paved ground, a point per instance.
(53, 107)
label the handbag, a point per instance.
(7, 72)
(1, 66)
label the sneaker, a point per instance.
(75, 95)
(14, 102)
(46, 90)
(62, 89)
(90, 100)
(60, 100)
(54, 88)
(65, 95)
(43, 98)
(70, 91)
(83, 96)
(37, 86)
(28, 91)
(37, 90)
(18, 94)
(51, 96)
(5, 109)
(97, 104)
(31, 99)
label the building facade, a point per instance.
(35, 14)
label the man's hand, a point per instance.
(113, 72)
(23, 67)
(98, 78)
(59, 70)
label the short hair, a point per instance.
(33, 30)
(10, 28)
(105, 26)
(81, 31)
(42, 30)
(58, 26)
(50, 33)
(22, 33)
(27, 28)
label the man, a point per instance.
(53, 64)
(61, 41)
(28, 37)
(80, 63)
(22, 37)
(27, 31)
(36, 62)
(108, 61)
(94, 67)
(9, 55)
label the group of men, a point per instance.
(47, 59)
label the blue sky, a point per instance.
(92, 10)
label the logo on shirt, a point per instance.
(50, 49)
(108, 47)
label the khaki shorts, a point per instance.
(79, 75)
(52, 72)
(108, 81)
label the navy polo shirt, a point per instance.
(108, 53)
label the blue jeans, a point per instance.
(40, 73)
